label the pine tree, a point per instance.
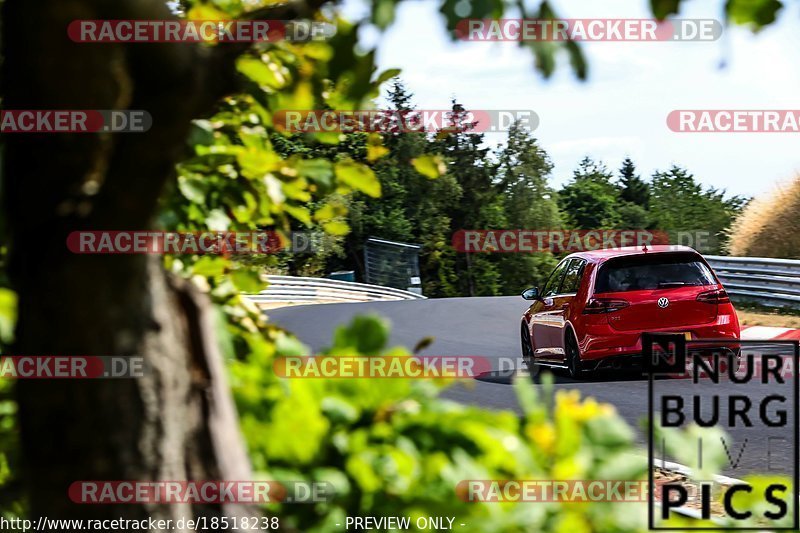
(633, 188)
(481, 203)
(529, 202)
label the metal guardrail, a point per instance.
(772, 282)
(291, 289)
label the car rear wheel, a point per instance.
(574, 366)
(527, 352)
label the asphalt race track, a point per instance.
(489, 327)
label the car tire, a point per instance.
(527, 352)
(573, 359)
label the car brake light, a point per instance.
(717, 296)
(596, 306)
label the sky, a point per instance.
(621, 109)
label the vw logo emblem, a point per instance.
(663, 303)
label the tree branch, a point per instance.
(188, 84)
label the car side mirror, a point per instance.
(531, 294)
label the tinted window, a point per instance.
(554, 281)
(656, 271)
(572, 277)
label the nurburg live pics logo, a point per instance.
(719, 383)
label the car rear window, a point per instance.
(656, 271)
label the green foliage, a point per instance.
(663, 8)
(672, 202)
(245, 176)
(391, 447)
(480, 206)
(679, 203)
(529, 202)
(754, 13)
(11, 501)
(8, 315)
(635, 197)
(523, 172)
(521, 271)
(545, 52)
(430, 166)
(590, 200)
(435, 186)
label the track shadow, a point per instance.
(506, 377)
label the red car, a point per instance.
(595, 306)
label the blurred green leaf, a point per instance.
(247, 281)
(430, 166)
(367, 334)
(664, 8)
(260, 73)
(358, 176)
(210, 266)
(318, 170)
(8, 314)
(756, 13)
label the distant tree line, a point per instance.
(505, 188)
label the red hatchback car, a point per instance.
(595, 306)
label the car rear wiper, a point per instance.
(668, 284)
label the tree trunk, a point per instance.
(178, 421)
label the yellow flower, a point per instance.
(568, 404)
(591, 409)
(543, 435)
(568, 397)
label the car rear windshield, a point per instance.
(649, 272)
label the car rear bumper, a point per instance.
(601, 342)
(634, 360)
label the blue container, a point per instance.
(343, 275)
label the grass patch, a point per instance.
(759, 315)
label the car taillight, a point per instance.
(717, 296)
(597, 306)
